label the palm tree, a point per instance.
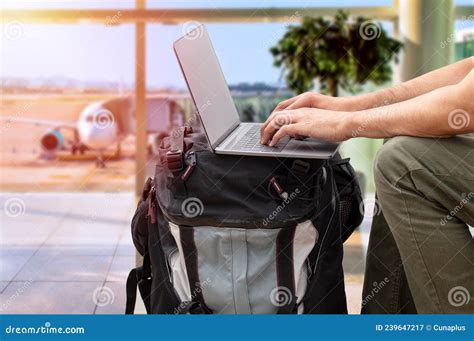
(338, 53)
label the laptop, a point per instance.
(218, 114)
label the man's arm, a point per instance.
(448, 75)
(445, 76)
(442, 112)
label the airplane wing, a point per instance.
(36, 122)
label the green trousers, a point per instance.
(420, 256)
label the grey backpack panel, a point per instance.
(237, 267)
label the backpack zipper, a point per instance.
(152, 205)
(191, 165)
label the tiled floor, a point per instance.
(59, 251)
(71, 253)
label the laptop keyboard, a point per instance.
(251, 142)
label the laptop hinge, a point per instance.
(225, 135)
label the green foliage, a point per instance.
(463, 50)
(257, 108)
(337, 52)
(248, 113)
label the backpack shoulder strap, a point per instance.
(139, 277)
(131, 291)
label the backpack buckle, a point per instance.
(188, 130)
(300, 167)
(174, 160)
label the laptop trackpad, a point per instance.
(310, 146)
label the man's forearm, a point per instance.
(448, 75)
(441, 112)
(445, 111)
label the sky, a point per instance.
(90, 52)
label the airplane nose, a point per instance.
(100, 132)
(103, 119)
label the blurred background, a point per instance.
(89, 88)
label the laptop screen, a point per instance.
(207, 84)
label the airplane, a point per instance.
(105, 124)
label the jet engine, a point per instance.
(51, 142)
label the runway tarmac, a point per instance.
(22, 167)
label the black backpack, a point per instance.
(229, 234)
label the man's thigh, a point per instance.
(384, 267)
(426, 191)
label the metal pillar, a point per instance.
(140, 102)
(396, 68)
(426, 28)
(140, 114)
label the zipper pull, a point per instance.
(152, 205)
(191, 166)
(278, 188)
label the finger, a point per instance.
(284, 104)
(267, 132)
(288, 130)
(303, 102)
(268, 120)
(307, 99)
(278, 121)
